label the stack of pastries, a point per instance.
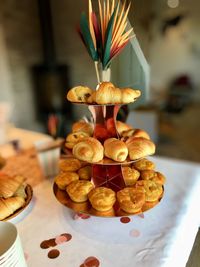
(143, 190)
(12, 194)
(132, 144)
(105, 94)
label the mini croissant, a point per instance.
(10, 205)
(115, 149)
(79, 94)
(9, 185)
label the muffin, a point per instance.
(70, 165)
(85, 173)
(157, 177)
(78, 190)
(63, 179)
(130, 175)
(152, 190)
(102, 198)
(144, 164)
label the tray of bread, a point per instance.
(15, 196)
(75, 188)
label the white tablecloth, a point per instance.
(166, 233)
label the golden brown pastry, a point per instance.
(130, 199)
(78, 190)
(107, 213)
(9, 185)
(10, 205)
(152, 190)
(129, 95)
(83, 126)
(122, 127)
(107, 93)
(21, 192)
(69, 165)
(139, 147)
(79, 94)
(156, 177)
(74, 138)
(63, 179)
(85, 173)
(2, 162)
(102, 198)
(130, 175)
(92, 99)
(135, 133)
(90, 150)
(144, 164)
(115, 149)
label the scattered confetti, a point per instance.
(135, 233)
(125, 219)
(91, 262)
(54, 253)
(60, 239)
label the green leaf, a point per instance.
(108, 39)
(87, 37)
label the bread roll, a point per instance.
(74, 138)
(139, 147)
(108, 94)
(83, 126)
(135, 133)
(115, 149)
(129, 95)
(79, 94)
(9, 185)
(10, 205)
(90, 150)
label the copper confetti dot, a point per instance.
(60, 239)
(141, 215)
(135, 233)
(48, 243)
(91, 262)
(125, 219)
(67, 236)
(54, 253)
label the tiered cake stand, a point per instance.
(107, 173)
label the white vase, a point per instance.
(106, 75)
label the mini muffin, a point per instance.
(131, 200)
(102, 198)
(130, 175)
(157, 177)
(70, 165)
(152, 190)
(78, 190)
(85, 173)
(144, 164)
(63, 179)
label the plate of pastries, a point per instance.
(15, 196)
(130, 144)
(106, 93)
(74, 188)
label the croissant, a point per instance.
(9, 185)
(115, 149)
(79, 94)
(108, 94)
(139, 147)
(83, 126)
(89, 149)
(121, 127)
(10, 205)
(135, 133)
(129, 95)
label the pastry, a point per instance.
(129, 95)
(102, 198)
(130, 175)
(108, 94)
(90, 150)
(144, 164)
(152, 190)
(2, 162)
(69, 165)
(85, 173)
(139, 147)
(149, 205)
(121, 127)
(9, 185)
(79, 94)
(83, 126)
(78, 190)
(115, 149)
(65, 178)
(10, 205)
(135, 133)
(74, 138)
(131, 200)
(107, 213)
(152, 175)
